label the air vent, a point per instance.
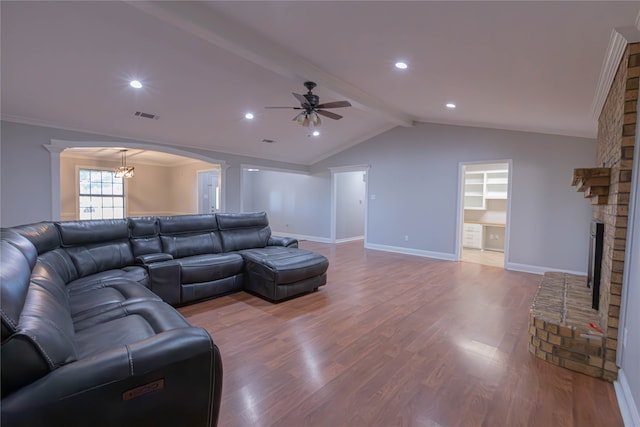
(268, 141)
(146, 115)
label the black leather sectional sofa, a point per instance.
(89, 334)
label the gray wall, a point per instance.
(297, 204)
(413, 188)
(25, 169)
(350, 203)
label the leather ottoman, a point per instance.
(278, 273)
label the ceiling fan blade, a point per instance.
(337, 104)
(300, 98)
(289, 108)
(329, 114)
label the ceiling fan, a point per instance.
(311, 109)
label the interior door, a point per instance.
(208, 191)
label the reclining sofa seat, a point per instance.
(95, 347)
(275, 268)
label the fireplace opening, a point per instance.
(595, 262)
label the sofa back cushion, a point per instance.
(37, 329)
(14, 282)
(96, 245)
(243, 230)
(144, 235)
(188, 235)
(43, 235)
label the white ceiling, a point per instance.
(530, 66)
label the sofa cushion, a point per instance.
(42, 341)
(96, 245)
(144, 235)
(243, 231)
(85, 300)
(205, 268)
(281, 265)
(196, 244)
(188, 235)
(14, 281)
(119, 327)
(43, 235)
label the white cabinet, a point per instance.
(472, 236)
(479, 186)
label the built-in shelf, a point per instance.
(594, 182)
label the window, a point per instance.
(101, 195)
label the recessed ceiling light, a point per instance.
(253, 170)
(401, 65)
(248, 116)
(451, 105)
(315, 133)
(135, 84)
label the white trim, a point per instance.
(334, 203)
(349, 239)
(57, 146)
(537, 269)
(409, 251)
(302, 237)
(628, 408)
(460, 204)
(354, 168)
(244, 166)
(618, 41)
(55, 179)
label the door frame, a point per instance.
(460, 210)
(334, 190)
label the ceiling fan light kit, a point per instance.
(312, 109)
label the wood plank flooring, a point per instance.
(487, 257)
(395, 340)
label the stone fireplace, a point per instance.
(564, 329)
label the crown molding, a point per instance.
(620, 37)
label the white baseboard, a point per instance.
(408, 251)
(627, 405)
(302, 237)
(536, 269)
(349, 239)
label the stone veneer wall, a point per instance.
(616, 138)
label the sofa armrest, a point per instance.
(173, 378)
(164, 280)
(288, 242)
(151, 258)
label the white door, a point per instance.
(208, 191)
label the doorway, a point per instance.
(208, 191)
(484, 212)
(349, 197)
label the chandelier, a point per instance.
(124, 171)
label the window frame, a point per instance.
(101, 169)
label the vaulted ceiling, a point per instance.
(521, 65)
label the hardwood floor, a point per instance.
(492, 258)
(395, 340)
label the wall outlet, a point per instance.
(406, 238)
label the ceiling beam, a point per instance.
(200, 20)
